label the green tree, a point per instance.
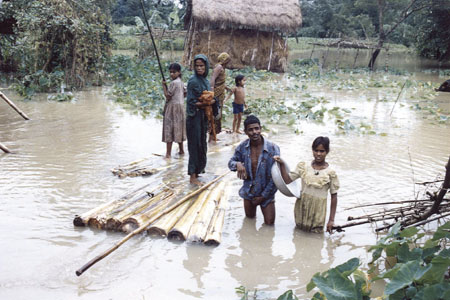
(433, 27)
(58, 40)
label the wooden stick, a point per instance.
(14, 107)
(398, 96)
(393, 202)
(430, 220)
(4, 148)
(146, 224)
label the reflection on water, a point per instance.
(61, 167)
(351, 58)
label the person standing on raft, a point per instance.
(253, 160)
(196, 121)
(218, 79)
(317, 178)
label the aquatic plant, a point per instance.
(137, 84)
(420, 269)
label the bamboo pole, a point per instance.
(4, 148)
(181, 229)
(214, 234)
(136, 220)
(82, 220)
(356, 57)
(271, 50)
(199, 228)
(147, 203)
(163, 225)
(101, 219)
(312, 51)
(14, 106)
(398, 96)
(145, 225)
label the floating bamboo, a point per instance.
(14, 106)
(148, 203)
(82, 220)
(181, 229)
(99, 221)
(136, 220)
(164, 225)
(200, 226)
(146, 224)
(214, 234)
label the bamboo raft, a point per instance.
(199, 219)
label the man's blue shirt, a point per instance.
(262, 184)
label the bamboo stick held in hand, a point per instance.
(146, 224)
(14, 106)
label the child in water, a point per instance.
(239, 101)
(174, 129)
(317, 178)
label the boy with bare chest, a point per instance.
(253, 160)
(239, 101)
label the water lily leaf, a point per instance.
(407, 273)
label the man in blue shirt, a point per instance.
(253, 160)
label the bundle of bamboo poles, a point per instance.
(141, 167)
(198, 220)
(409, 212)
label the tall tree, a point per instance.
(402, 10)
(433, 31)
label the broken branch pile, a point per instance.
(410, 212)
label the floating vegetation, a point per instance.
(61, 97)
(137, 84)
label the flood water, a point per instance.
(61, 167)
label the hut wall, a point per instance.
(246, 48)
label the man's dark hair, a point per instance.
(251, 120)
(238, 78)
(321, 140)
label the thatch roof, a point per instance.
(265, 15)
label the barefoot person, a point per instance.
(218, 85)
(174, 121)
(196, 122)
(239, 102)
(253, 160)
(317, 178)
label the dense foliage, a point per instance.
(419, 23)
(433, 28)
(56, 42)
(414, 269)
(163, 13)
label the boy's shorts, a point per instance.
(238, 108)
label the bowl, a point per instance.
(292, 189)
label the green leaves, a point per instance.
(288, 295)
(407, 274)
(344, 282)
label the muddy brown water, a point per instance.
(61, 167)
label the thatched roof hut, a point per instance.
(253, 32)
